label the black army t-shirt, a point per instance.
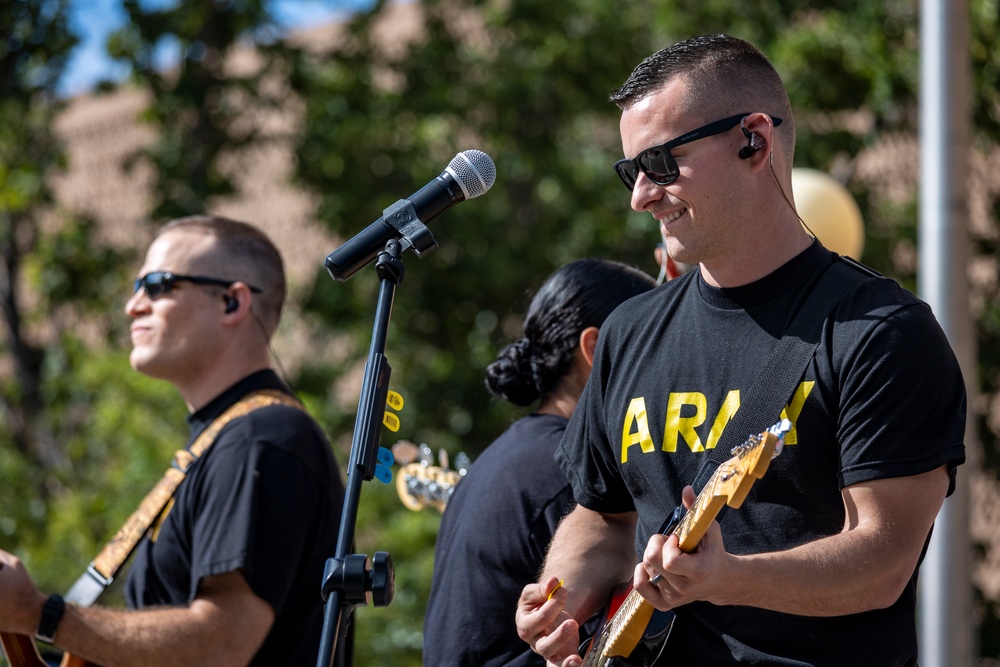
(265, 500)
(883, 397)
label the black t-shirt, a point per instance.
(265, 499)
(883, 397)
(494, 534)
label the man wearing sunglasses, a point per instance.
(818, 566)
(230, 572)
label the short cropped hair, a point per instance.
(242, 252)
(725, 75)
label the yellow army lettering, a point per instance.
(635, 430)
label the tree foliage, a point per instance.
(53, 276)
(33, 55)
(205, 105)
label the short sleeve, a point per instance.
(903, 400)
(267, 495)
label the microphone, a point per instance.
(469, 174)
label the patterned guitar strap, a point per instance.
(157, 503)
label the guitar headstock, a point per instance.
(420, 483)
(731, 483)
(750, 461)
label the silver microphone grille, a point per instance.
(475, 172)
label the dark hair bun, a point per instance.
(510, 376)
(581, 294)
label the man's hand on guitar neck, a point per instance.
(20, 601)
(683, 577)
(886, 523)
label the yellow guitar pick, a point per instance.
(391, 421)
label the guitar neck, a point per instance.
(626, 626)
(695, 523)
(728, 485)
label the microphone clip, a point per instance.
(402, 216)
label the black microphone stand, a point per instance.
(348, 581)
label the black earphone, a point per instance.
(232, 303)
(754, 144)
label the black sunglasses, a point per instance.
(158, 283)
(657, 162)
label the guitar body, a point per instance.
(22, 652)
(645, 647)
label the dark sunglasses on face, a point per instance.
(158, 283)
(657, 162)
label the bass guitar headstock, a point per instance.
(419, 482)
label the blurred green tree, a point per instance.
(62, 484)
(54, 274)
(32, 58)
(231, 70)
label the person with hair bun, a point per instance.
(501, 517)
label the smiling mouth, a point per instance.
(673, 216)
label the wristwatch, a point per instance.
(52, 613)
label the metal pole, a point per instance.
(945, 593)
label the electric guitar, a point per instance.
(22, 652)
(637, 631)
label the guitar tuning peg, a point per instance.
(426, 455)
(443, 459)
(462, 463)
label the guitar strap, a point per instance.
(102, 571)
(774, 384)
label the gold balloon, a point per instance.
(829, 210)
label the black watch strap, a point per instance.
(52, 613)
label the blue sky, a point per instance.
(94, 20)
